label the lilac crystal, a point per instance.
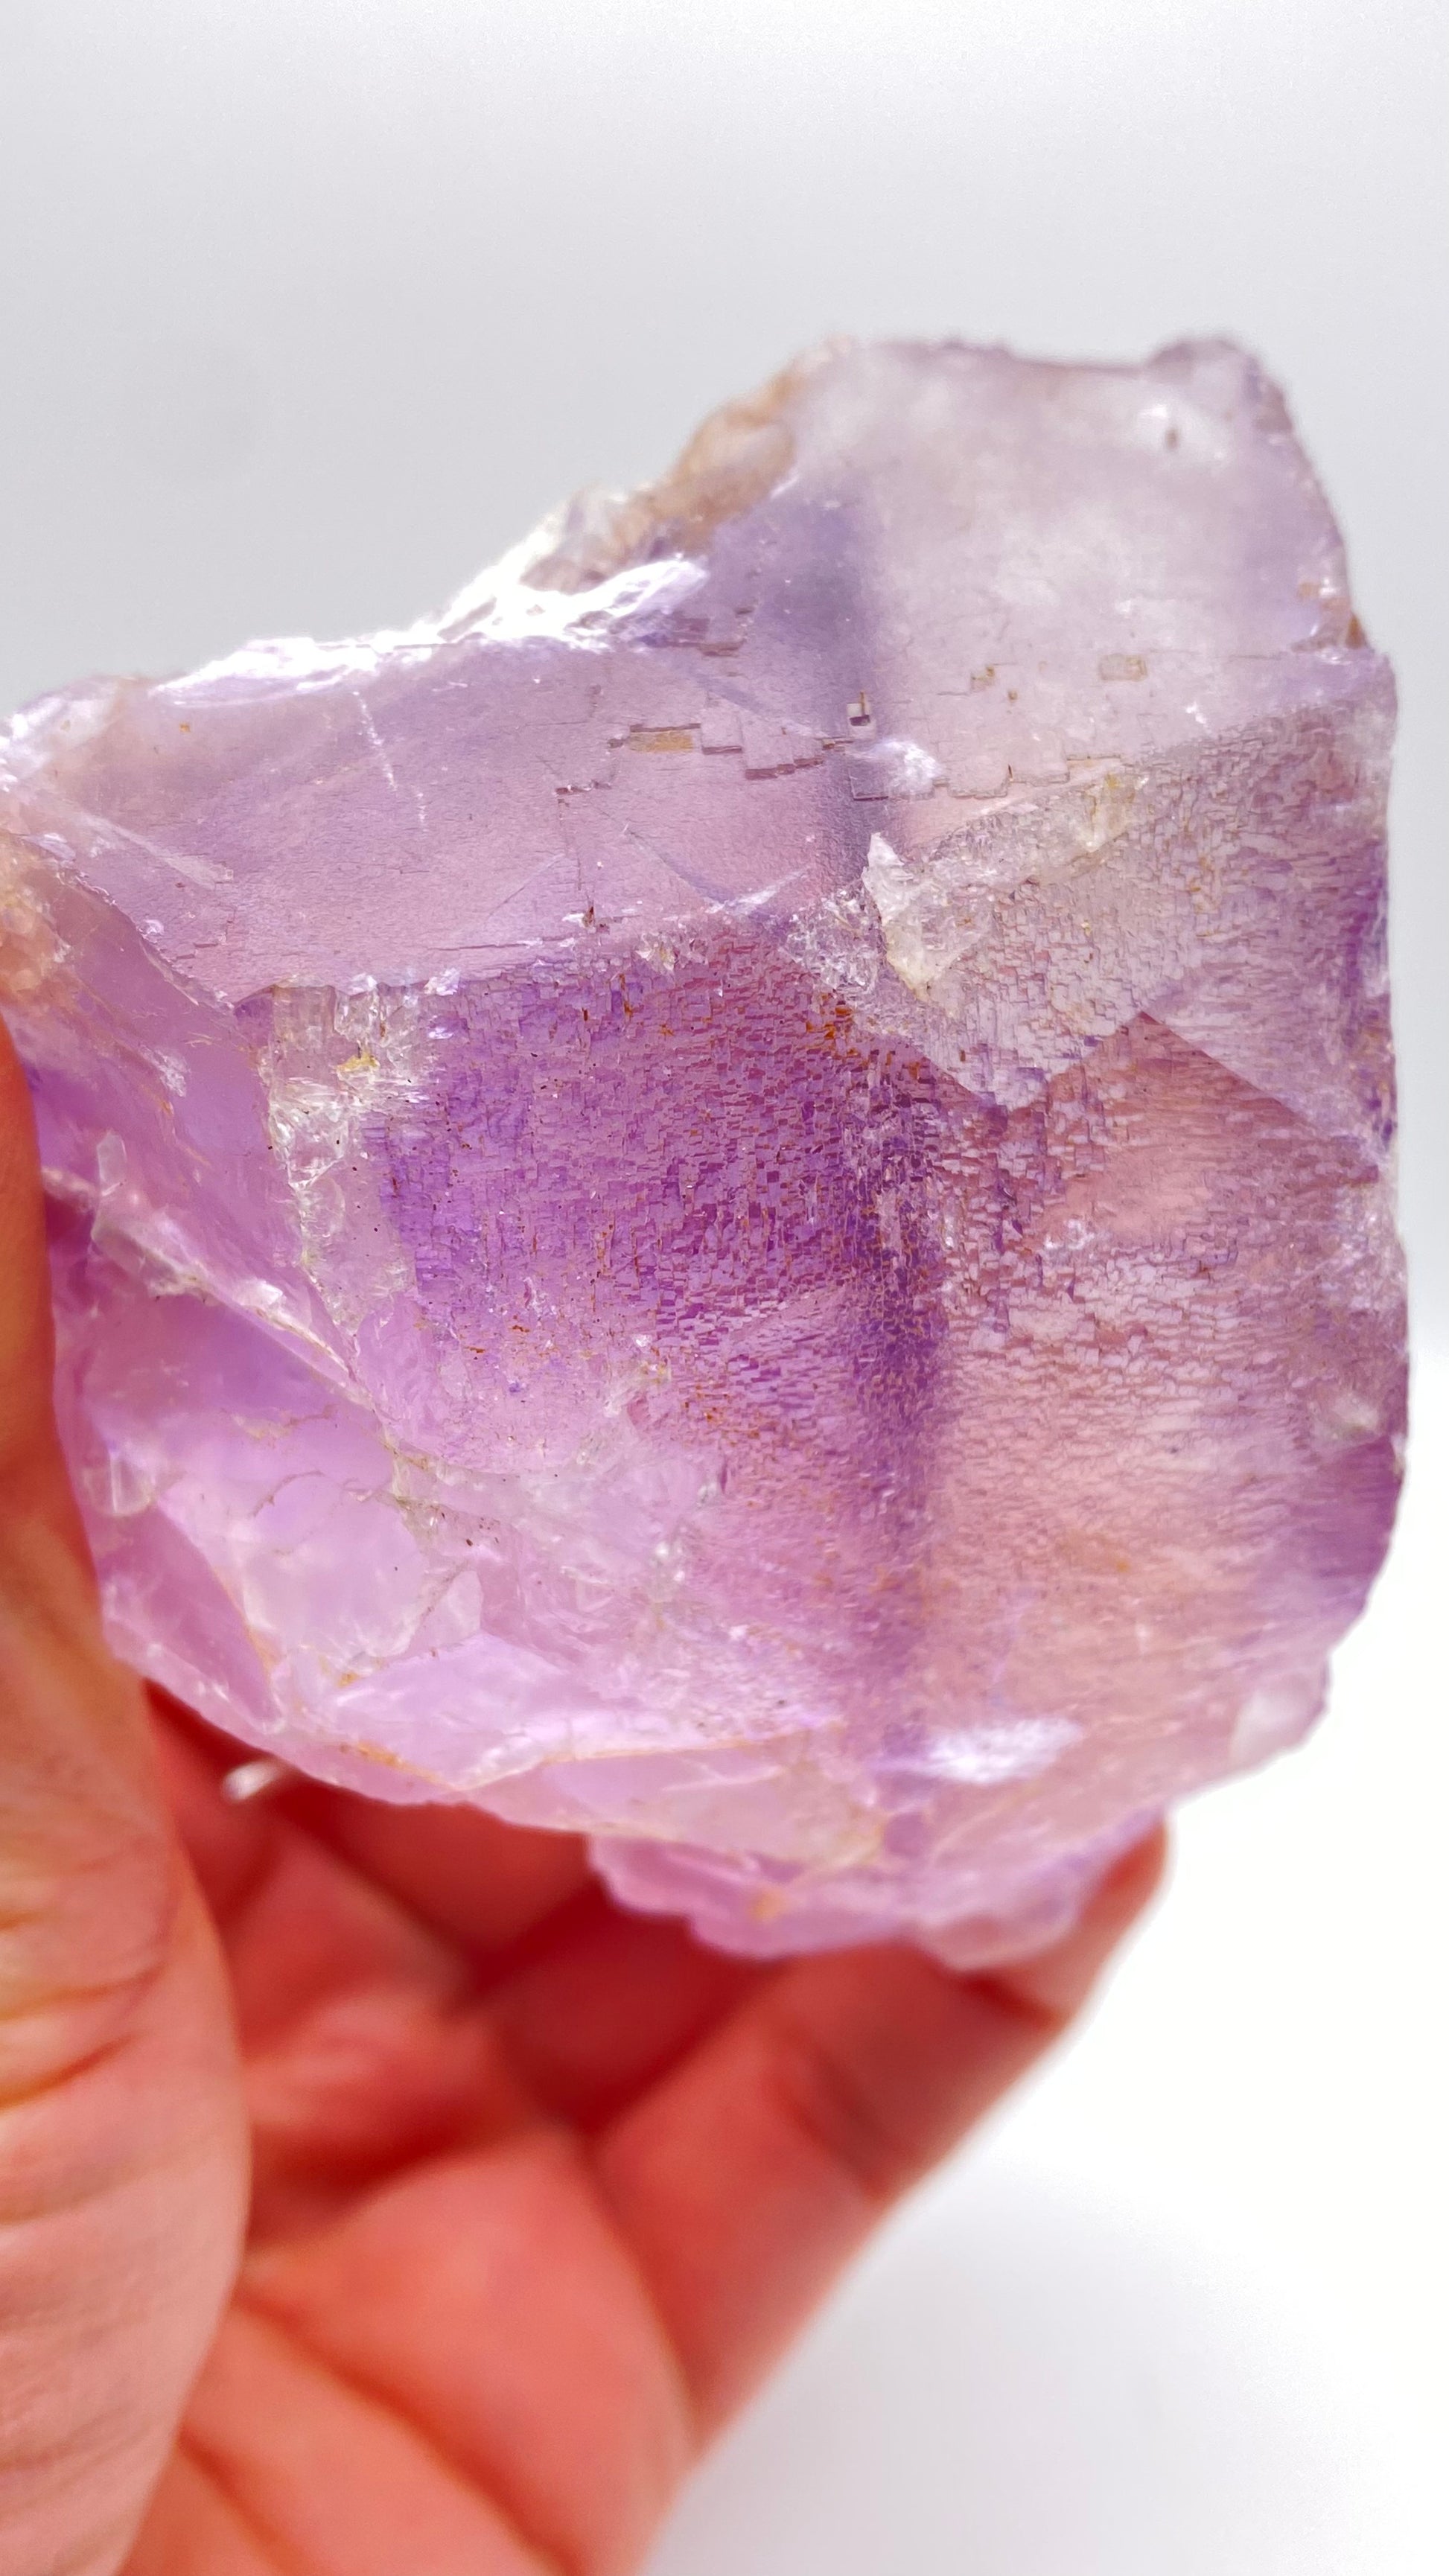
(735, 1197)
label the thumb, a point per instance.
(35, 1493)
(87, 1869)
(121, 2171)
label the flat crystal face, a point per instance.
(734, 1196)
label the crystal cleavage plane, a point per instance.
(736, 1197)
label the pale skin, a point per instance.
(376, 2199)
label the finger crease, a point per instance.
(546, 2561)
(274, 2545)
(838, 2114)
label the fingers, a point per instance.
(369, 2039)
(484, 1884)
(364, 2039)
(488, 2301)
(746, 2179)
(481, 1884)
(283, 2464)
(606, 2003)
(230, 1848)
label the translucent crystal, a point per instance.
(735, 1196)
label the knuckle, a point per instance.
(845, 2111)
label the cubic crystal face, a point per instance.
(735, 1196)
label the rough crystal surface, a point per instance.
(735, 1196)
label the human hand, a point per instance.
(376, 2198)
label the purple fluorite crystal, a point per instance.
(735, 1196)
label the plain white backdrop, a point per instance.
(309, 307)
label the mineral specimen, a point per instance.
(735, 1196)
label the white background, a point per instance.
(309, 306)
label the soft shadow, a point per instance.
(1018, 2383)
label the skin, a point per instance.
(376, 2199)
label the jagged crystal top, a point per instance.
(896, 574)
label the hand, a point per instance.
(377, 2199)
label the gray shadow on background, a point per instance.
(1017, 2385)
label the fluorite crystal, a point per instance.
(735, 1195)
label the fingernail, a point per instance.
(259, 1779)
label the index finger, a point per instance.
(747, 2178)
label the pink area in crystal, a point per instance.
(735, 1197)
